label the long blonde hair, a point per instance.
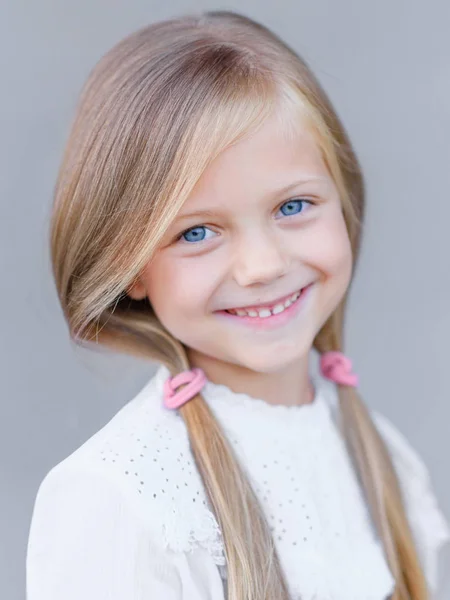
(154, 112)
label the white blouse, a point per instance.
(126, 516)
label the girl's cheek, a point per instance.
(326, 246)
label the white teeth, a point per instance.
(266, 312)
(277, 309)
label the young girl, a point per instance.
(208, 217)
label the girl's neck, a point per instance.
(290, 386)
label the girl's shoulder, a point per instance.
(429, 526)
(143, 456)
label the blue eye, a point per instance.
(293, 207)
(196, 234)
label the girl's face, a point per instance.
(263, 224)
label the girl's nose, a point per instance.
(260, 259)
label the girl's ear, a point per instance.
(137, 290)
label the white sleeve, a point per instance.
(429, 526)
(85, 541)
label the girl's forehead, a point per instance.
(265, 161)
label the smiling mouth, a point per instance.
(267, 311)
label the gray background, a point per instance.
(385, 64)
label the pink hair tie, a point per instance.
(338, 367)
(195, 380)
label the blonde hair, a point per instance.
(154, 112)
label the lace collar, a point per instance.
(223, 400)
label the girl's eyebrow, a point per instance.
(280, 192)
(199, 214)
(306, 179)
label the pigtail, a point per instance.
(253, 567)
(377, 477)
(384, 497)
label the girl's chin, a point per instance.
(266, 364)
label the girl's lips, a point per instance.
(274, 320)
